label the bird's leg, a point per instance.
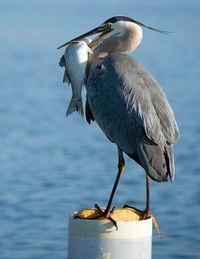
(106, 213)
(121, 167)
(146, 214)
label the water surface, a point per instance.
(51, 165)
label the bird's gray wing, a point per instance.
(164, 113)
(121, 81)
(146, 101)
(65, 76)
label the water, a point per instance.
(50, 165)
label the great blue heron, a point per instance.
(128, 104)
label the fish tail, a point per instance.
(75, 105)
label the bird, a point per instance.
(129, 105)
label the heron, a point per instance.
(128, 104)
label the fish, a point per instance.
(74, 62)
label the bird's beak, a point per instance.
(101, 29)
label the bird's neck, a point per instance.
(126, 42)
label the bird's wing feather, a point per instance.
(146, 101)
(166, 116)
(157, 161)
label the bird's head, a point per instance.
(115, 28)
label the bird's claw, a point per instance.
(146, 214)
(98, 213)
(106, 214)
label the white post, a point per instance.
(94, 239)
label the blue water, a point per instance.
(51, 165)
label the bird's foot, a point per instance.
(104, 213)
(97, 213)
(146, 214)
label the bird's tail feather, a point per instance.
(169, 156)
(75, 105)
(157, 161)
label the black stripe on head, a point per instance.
(115, 19)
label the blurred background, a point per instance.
(51, 165)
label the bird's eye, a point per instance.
(108, 25)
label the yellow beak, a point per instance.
(93, 43)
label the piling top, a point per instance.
(118, 214)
